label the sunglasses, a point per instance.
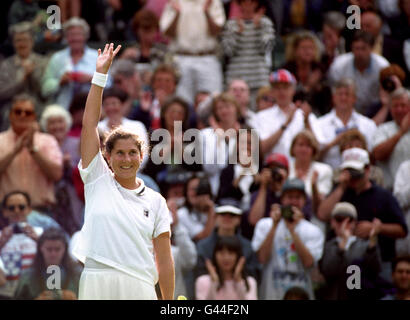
(340, 219)
(228, 214)
(14, 207)
(19, 112)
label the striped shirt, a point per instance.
(17, 255)
(246, 51)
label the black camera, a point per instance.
(388, 84)
(286, 212)
(19, 227)
(355, 174)
(203, 187)
(276, 176)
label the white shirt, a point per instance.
(134, 126)
(244, 185)
(285, 269)
(120, 224)
(17, 255)
(367, 83)
(216, 156)
(324, 179)
(269, 121)
(331, 125)
(193, 222)
(401, 191)
(401, 151)
(192, 34)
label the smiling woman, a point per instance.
(125, 221)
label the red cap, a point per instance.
(279, 159)
(282, 75)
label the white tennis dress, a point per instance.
(115, 242)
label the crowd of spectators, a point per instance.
(319, 181)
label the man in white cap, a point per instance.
(376, 207)
(228, 219)
(346, 249)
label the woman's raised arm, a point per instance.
(90, 143)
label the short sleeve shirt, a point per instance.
(120, 224)
(377, 202)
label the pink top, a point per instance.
(205, 289)
(24, 173)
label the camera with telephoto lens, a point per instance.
(388, 84)
(276, 176)
(286, 212)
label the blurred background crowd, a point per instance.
(322, 88)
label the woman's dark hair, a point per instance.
(12, 193)
(233, 244)
(119, 133)
(115, 92)
(296, 293)
(39, 266)
(194, 176)
(168, 103)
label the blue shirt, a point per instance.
(60, 63)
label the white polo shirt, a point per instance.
(120, 224)
(400, 153)
(332, 125)
(269, 121)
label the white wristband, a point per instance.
(99, 79)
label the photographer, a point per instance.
(287, 245)
(270, 181)
(390, 79)
(17, 241)
(374, 205)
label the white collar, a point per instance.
(139, 191)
